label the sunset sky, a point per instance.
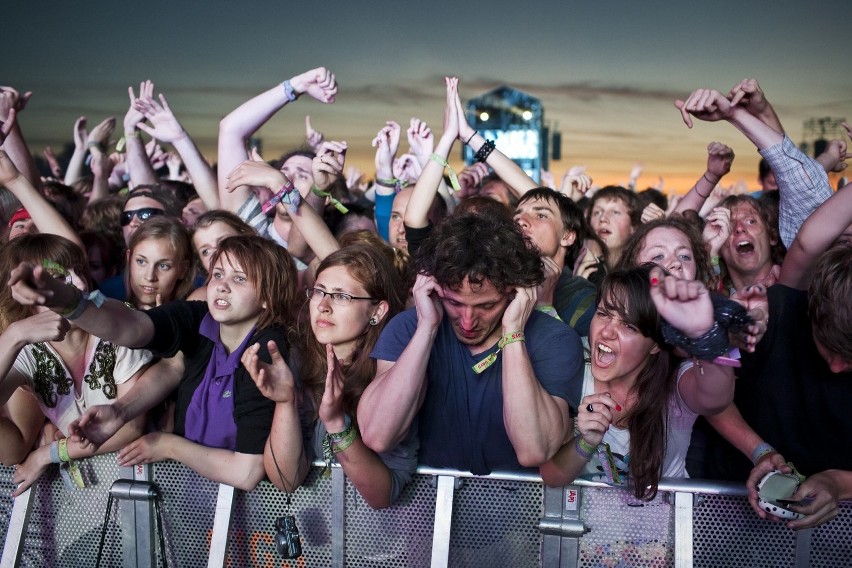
(607, 73)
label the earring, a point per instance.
(374, 320)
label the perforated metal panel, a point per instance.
(253, 524)
(495, 523)
(626, 531)
(189, 507)
(832, 543)
(65, 525)
(727, 532)
(6, 488)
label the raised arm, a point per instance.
(719, 161)
(45, 216)
(236, 128)
(75, 165)
(11, 105)
(503, 166)
(113, 321)
(417, 211)
(166, 128)
(748, 94)
(391, 401)
(818, 233)
(138, 165)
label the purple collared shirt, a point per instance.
(210, 414)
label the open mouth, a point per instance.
(745, 247)
(221, 303)
(604, 355)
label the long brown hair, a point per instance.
(628, 294)
(373, 270)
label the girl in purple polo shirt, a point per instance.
(221, 418)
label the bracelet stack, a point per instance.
(484, 151)
(584, 448)
(334, 443)
(395, 184)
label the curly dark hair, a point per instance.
(480, 247)
(571, 215)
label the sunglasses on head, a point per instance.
(143, 214)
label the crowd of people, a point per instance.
(247, 318)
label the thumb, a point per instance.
(274, 353)
(255, 155)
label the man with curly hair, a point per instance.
(485, 378)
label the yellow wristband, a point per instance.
(63, 450)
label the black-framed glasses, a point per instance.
(143, 214)
(338, 298)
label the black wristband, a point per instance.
(484, 151)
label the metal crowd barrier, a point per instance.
(443, 518)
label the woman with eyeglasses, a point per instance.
(356, 291)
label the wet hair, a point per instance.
(627, 293)
(572, 217)
(270, 269)
(36, 248)
(704, 271)
(617, 193)
(828, 301)
(171, 230)
(373, 270)
(480, 247)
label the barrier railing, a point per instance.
(443, 518)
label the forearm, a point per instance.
(535, 422)
(243, 471)
(696, 196)
(75, 165)
(733, 427)
(199, 171)
(20, 425)
(138, 165)
(44, 215)
(16, 148)
(309, 232)
(564, 467)
(417, 211)
(235, 130)
(510, 172)
(100, 187)
(150, 389)
(370, 476)
(842, 480)
(758, 132)
(390, 403)
(115, 322)
(289, 465)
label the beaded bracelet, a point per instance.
(484, 151)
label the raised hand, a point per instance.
(519, 309)
(427, 301)
(6, 125)
(576, 183)
(33, 286)
(386, 144)
(407, 168)
(81, 135)
(465, 129)
(548, 179)
(327, 166)
(685, 304)
(652, 212)
(100, 134)
(134, 116)
(319, 83)
(11, 100)
(331, 407)
(717, 229)
(748, 94)
(421, 140)
(164, 125)
(101, 164)
(258, 174)
(705, 104)
(97, 425)
(835, 156)
(452, 120)
(470, 178)
(313, 137)
(355, 178)
(274, 380)
(719, 160)
(50, 158)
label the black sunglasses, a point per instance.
(143, 214)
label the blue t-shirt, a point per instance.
(461, 421)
